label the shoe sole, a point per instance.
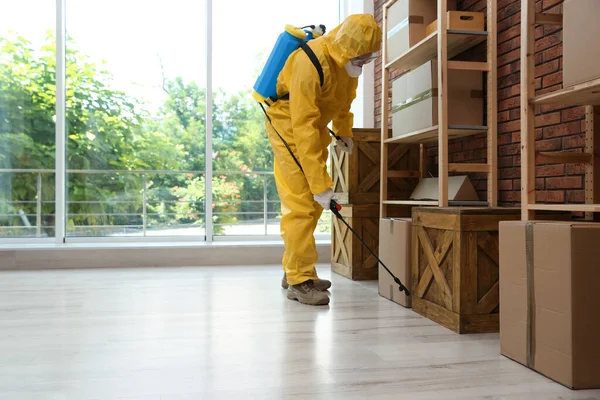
(322, 302)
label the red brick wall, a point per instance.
(557, 128)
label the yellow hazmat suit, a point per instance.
(302, 122)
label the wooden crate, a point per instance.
(455, 266)
(349, 257)
(356, 176)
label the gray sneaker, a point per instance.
(320, 284)
(307, 293)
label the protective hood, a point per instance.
(359, 34)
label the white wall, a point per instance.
(364, 105)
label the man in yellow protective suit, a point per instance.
(302, 122)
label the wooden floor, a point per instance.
(229, 332)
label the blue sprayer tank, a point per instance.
(288, 41)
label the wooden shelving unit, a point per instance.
(443, 45)
(584, 94)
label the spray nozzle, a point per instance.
(401, 286)
(335, 208)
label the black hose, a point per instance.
(336, 211)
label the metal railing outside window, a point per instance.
(142, 214)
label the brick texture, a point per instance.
(558, 128)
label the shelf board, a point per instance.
(430, 134)
(436, 203)
(468, 167)
(587, 93)
(468, 66)
(411, 202)
(452, 203)
(426, 49)
(548, 19)
(566, 207)
(563, 157)
(403, 174)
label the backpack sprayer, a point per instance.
(265, 91)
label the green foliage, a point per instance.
(190, 201)
(26, 105)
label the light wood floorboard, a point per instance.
(230, 333)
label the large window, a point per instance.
(27, 118)
(132, 125)
(135, 117)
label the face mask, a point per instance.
(352, 70)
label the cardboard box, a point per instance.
(550, 299)
(460, 21)
(415, 99)
(406, 24)
(460, 188)
(394, 250)
(581, 41)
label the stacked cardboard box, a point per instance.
(415, 94)
(581, 41)
(415, 99)
(460, 21)
(407, 23)
(550, 297)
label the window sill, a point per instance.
(50, 245)
(28, 256)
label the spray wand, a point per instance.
(335, 209)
